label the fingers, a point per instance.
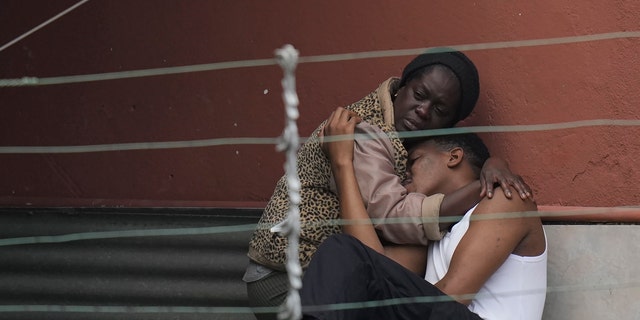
(348, 116)
(505, 188)
(338, 142)
(509, 182)
(483, 187)
(487, 184)
(325, 125)
(516, 182)
(523, 188)
(339, 126)
(341, 121)
(490, 188)
(332, 119)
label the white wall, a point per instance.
(593, 272)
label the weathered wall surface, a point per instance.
(592, 166)
(592, 272)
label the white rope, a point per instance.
(287, 57)
(258, 140)
(26, 80)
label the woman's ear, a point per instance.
(455, 157)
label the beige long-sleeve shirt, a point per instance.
(380, 164)
(399, 216)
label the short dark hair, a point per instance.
(475, 151)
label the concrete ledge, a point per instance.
(590, 214)
(592, 272)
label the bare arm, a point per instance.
(458, 203)
(412, 257)
(485, 246)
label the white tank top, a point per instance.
(517, 290)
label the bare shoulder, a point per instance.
(501, 204)
(524, 229)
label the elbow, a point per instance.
(457, 295)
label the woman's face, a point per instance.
(429, 101)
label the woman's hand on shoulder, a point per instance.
(337, 135)
(496, 171)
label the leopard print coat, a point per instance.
(318, 205)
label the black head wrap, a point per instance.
(462, 67)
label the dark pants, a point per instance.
(344, 270)
(270, 291)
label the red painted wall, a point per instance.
(592, 166)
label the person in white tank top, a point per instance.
(517, 290)
(493, 261)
